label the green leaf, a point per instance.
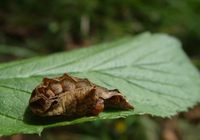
(151, 70)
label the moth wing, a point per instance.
(113, 99)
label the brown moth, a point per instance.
(74, 97)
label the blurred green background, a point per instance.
(33, 28)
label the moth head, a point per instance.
(43, 101)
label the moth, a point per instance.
(74, 97)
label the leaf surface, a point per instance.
(151, 70)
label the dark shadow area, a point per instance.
(33, 119)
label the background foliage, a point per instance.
(57, 25)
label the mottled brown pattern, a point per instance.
(73, 97)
